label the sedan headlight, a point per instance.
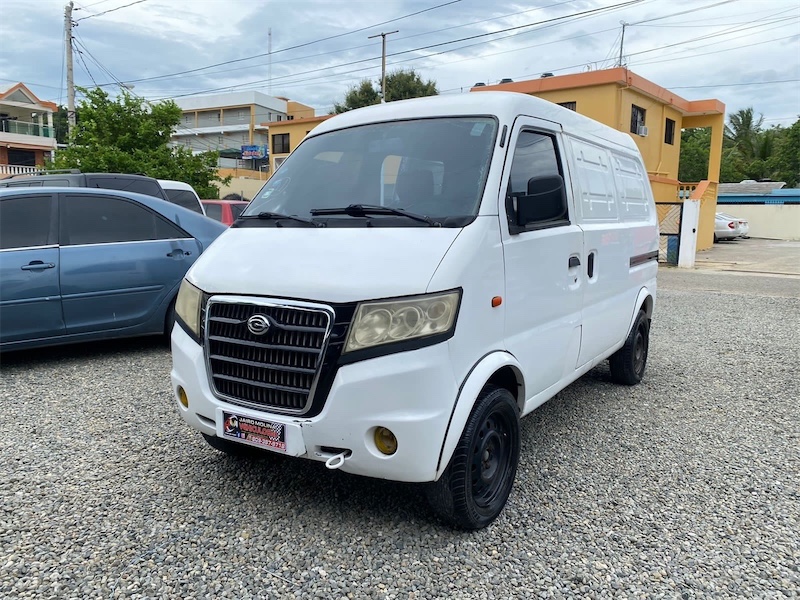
(187, 307)
(391, 321)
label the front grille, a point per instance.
(276, 370)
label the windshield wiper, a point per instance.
(278, 216)
(363, 210)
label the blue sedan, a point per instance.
(80, 264)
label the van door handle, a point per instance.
(37, 265)
(574, 261)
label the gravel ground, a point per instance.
(685, 486)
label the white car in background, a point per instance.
(726, 228)
(182, 194)
(744, 226)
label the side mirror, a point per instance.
(545, 201)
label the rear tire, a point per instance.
(474, 488)
(629, 362)
(169, 323)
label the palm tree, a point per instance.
(743, 132)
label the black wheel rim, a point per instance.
(640, 350)
(490, 461)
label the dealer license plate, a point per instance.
(256, 432)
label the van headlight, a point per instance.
(392, 321)
(187, 307)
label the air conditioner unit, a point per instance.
(642, 130)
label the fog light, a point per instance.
(182, 397)
(385, 440)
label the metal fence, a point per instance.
(670, 215)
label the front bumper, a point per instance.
(410, 393)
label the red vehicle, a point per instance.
(224, 211)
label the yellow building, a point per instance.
(654, 117)
(285, 136)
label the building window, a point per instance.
(570, 105)
(290, 118)
(637, 118)
(280, 143)
(669, 132)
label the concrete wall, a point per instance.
(245, 186)
(772, 221)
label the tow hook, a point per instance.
(337, 460)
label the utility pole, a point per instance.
(622, 42)
(70, 81)
(383, 62)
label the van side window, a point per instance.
(535, 196)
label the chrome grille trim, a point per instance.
(277, 372)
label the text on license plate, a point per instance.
(254, 431)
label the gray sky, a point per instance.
(742, 52)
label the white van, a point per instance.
(182, 194)
(415, 278)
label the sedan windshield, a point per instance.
(426, 167)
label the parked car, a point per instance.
(725, 228)
(421, 275)
(744, 226)
(182, 194)
(224, 211)
(82, 264)
(140, 184)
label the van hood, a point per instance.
(325, 265)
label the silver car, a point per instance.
(744, 226)
(726, 228)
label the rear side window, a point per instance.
(236, 210)
(23, 183)
(149, 187)
(108, 219)
(184, 198)
(214, 211)
(25, 221)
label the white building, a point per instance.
(234, 124)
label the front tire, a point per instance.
(474, 488)
(629, 362)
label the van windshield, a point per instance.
(435, 168)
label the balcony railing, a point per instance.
(25, 128)
(16, 170)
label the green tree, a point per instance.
(401, 84)
(60, 124)
(364, 94)
(785, 160)
(743, 130)
(129, 135)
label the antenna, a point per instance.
(269, 54)
(622, 42)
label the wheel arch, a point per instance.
(497, 368)
(645, 301)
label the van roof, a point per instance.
(171, 184)
(506, 106)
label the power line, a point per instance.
(350, 48)
(105, 12)
(471, 37)
(716, 85)
(683, 12)
(325, 39)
